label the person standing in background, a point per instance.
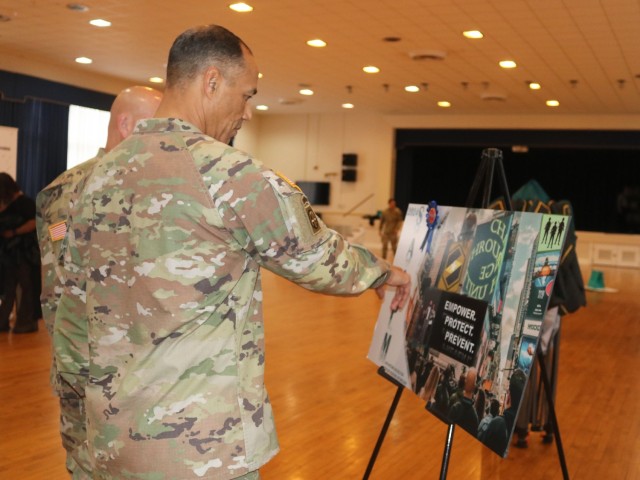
(19, 258)
(63, 314)
(390, 225)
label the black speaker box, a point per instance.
(349, 175)
(349, 159)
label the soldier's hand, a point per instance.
(402, 282)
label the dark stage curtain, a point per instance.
(42, 144)
(42, 140)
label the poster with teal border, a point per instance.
(465, 340)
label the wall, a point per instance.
(310, 147)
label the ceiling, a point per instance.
(584, 53)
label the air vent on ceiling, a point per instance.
(290, 101)
(427, 55)
(493, 97)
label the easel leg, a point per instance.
(383, 432)
(447, 452)
(552, 414)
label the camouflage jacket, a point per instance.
(69, 341)
(169, 233)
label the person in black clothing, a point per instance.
(19, 258)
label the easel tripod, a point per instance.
(491, 164)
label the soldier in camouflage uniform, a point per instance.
(390, 226)
(166, 243)
(64, 316)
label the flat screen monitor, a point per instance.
(317, 192)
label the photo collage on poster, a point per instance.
(466, 339)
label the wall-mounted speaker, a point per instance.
(349, 175)
(349, 159)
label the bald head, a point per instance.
(470, 382)
(131, 105)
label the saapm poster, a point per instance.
(466, 340)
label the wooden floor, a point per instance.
(330, 403)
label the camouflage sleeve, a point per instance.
(272, 219)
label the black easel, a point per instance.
(490, 160)
(387, 422)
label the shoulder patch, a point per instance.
(284, 177)
(57, 231)
(311, 215)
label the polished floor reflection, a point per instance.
(330, 403)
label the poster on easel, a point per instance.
(466, 339)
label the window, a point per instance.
(87, 133)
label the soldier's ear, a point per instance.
(125, 124)
(210, 81)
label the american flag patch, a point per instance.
(57, 231)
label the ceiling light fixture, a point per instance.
(316, 42)
(371, 69)
(534, 86)
(444, 104)
(348, 105)
(306, 91)
(263, 108)
(508, 64)
(241, 7)
(412, 88)
(99, 22)
(84, 60)
(473, 34)
(156, 79)
(553, 103)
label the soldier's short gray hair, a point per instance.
(199, 47)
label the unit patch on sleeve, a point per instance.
(311, 215)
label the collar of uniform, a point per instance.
(153, 125)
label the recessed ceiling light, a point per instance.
(262, 107)
(534, 86)
(508, 64)
(371, 69)
(306, 91)
(473, 34)
(444, 104)
(156, 79)
(348, 105)
(84, 60)
(98, 22)
(260, 75)
(412, 88)
(316, 42)
(241, 7)
(553, 103)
